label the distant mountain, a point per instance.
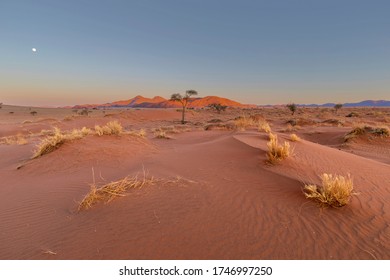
(365, 103)
(160, 102)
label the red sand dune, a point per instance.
(160, 102)
(231, 205)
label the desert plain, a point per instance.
(207, 190)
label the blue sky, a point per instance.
(261, 52)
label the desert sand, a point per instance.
(214, 195)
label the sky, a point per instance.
(257, 52)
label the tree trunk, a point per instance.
(182, 115)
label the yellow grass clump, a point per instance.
(277, 152)
(57, 138)
(141, 133)
(244, 122)
(264, 126)
(161, 134)
(111, 128)
(335, 191)
(50, 143)
(108, 192)
(294, 137)
(79, 133)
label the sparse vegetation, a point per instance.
(84, 112)
(111, 128)
(33, 113)
(218, 107)
(362, 129)
(183, 99)
(220, 126)
(335, 190)
(352, 115)
(381, 131)
(292, 107)
(276, 152)
(69, 118)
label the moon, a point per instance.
(34, 49)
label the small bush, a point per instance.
(362, 129)
(335, 191)
(277, 152)
(381, 131)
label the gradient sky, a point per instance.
(260, 52)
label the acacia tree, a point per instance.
(337, 107)
(183, 99)
(292, 107)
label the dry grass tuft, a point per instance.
(14, 140)
(277, 152)
(161, 134)
(108, 192)
(50, 143)
(111, 128)
(141, 133)
(69, 118)
(336, 190)
(79, 133)
(263, 126)
(57, 138)
(244, 122)
(294, 137)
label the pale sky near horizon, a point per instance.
(259, 52)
